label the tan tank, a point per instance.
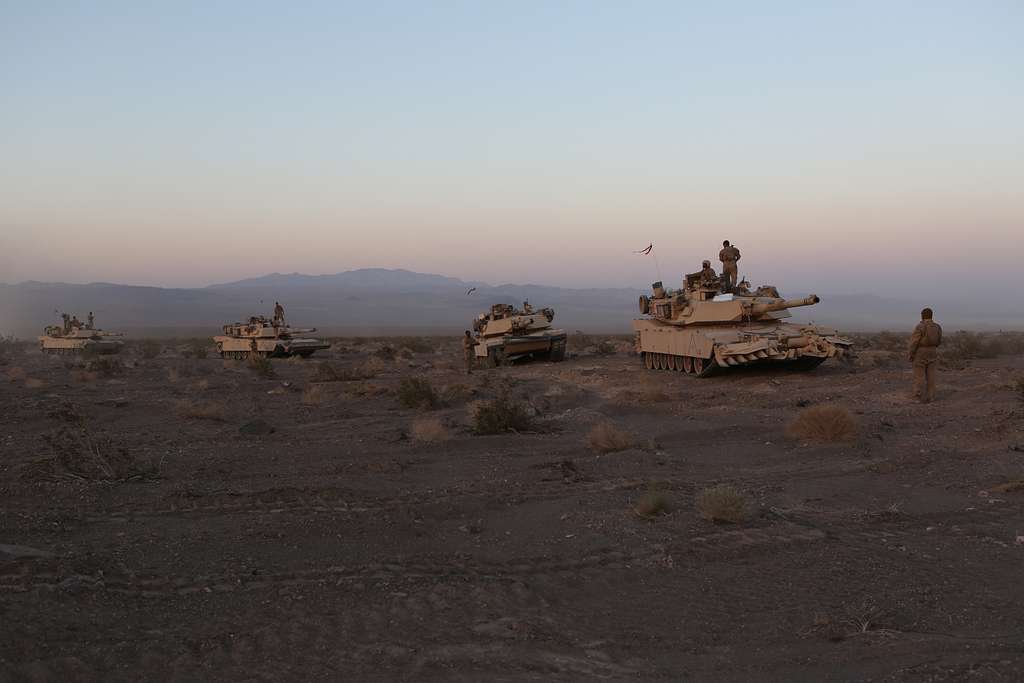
(75, 336)
(700, 329)
(266, 338)
(508, 334)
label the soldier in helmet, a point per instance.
(923, 353)
(708, 276)
(468, 351)
(67, 322)
(89, 324)
(278, 314)
(729, 256)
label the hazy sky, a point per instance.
(834, 142)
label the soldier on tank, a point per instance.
(708, 276)
(468, 345)
(278, 314)
(75, 322)
(67, 322)
(729, 256)
(923, 353)
(89, 324)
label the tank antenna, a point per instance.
(649, 251)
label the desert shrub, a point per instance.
(325, 371)
(173, 375)
(105, 366)
(198, 348)
(722, 503)
(429, 430)
(15, 374)
(385, 352)
(201, 385)
(365, 389)
(313, 395)
(652, 504)
(1018, 387)
(416, 345)
(605, 437)
(33, 383)
(605, 348)
(260, 365)
(83, 376)
(149, 348)
(824, 423)
(455, 393)
(203, 410)
(417, 392)
(79, 452)
(8, 346)
(503, 414)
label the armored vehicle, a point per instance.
(266, 338)
(507, 334)
(75, 336)
(699, 329)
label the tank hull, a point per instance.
(542, 345)
(72, 345)
(703, 349)
(268, 347)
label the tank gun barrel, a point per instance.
(761, 309)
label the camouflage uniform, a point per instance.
(708, 276)
(468, 350)
(729, 256)
(924, 344)
(278, 314)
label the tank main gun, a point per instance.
(757, 310)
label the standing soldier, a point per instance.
(923, 353)
(88, 325)
(729, 256)
(278, 314)
(468, 344)
(67, 322)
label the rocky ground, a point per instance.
(184, 518)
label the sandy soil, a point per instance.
(172, 546)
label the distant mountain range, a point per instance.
(377, 301)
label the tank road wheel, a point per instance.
(702, 367)
(648, 361)
(659, 361)
(671, 362)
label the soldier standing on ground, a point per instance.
(923, 353)
(729, 256)
(278, 314)
(468, 344)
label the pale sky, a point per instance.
(872, 146)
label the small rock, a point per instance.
(13, 552)
(257, 428)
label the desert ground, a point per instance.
(167, 515)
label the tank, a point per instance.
(508, 334)
(700, 329)
(266, 338)
(77, 337)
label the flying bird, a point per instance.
(646, 250)
(471, 291)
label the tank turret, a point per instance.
(700, 328)
(269, 338)
(507, 334)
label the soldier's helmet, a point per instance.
(706, 264)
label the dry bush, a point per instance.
(325, 371)
(826, 423)
(196, 348)
(201, 385)
(1012, 486)
(503, 414)
(8, 346)
(80, 453)
(1018, 387)
(15, 374)
(33, 383)
(149, 348)
(260, 365)
(203, 410)
(451, 394)
(722, 503)
(313, 395)
(605, 348)
(83, 376)
(173, 375)
(429, 430)
(366, 389)
(416, 345)
(385, 352)
(652, 504)
(605, 437)
(417, 392)
(105, 366)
